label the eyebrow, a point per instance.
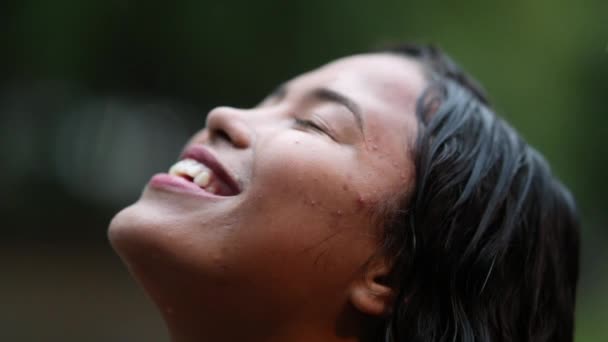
(326, 94)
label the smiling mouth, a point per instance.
(203, 176)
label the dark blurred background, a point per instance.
(96, 96)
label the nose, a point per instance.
(227, 123)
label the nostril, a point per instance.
(219, 134)
(226, 124)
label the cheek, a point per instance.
(309, 178)
(300, 251)
(310, 174)
(304, 213)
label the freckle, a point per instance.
(297, 142)
(345, 187)
(360, 202)
(337, 213)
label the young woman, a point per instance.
(377, 198)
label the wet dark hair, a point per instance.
(486, 246)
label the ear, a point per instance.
(370, 292)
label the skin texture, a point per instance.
(293, 257)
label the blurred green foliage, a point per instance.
(544, 63)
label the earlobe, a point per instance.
(371, 293)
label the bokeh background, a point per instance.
(96, 96)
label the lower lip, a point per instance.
(171, 183)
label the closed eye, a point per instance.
(309, 124)
(314, 126)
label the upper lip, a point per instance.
(205, 156)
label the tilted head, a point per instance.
(375, 197)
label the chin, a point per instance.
(135, 233)
(125, 229)
(151, 237)
(141, 246)
(142, 225)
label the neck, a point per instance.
(213, 326)
(194, 314)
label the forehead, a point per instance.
(379, 83)
(385, 77)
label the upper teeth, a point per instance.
(189, 167)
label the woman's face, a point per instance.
(300, 230)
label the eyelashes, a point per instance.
(314, 126)
(309, 124)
